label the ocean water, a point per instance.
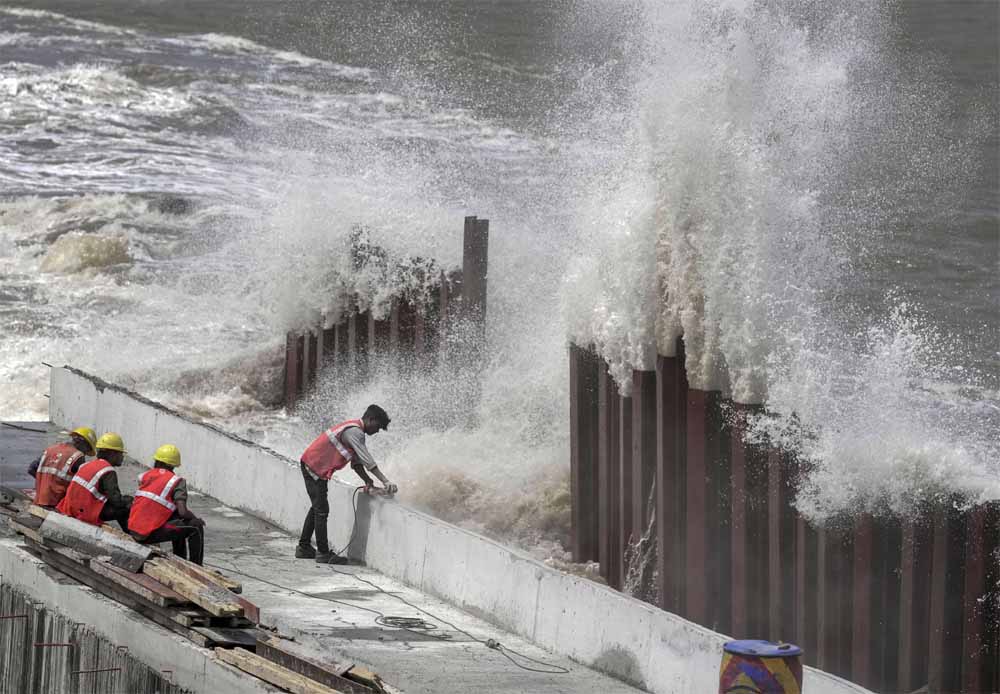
(809, 191)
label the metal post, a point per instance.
(914, 599)
(475, 255)
(311, 360)
(741, 595)
(583, 452)
(609, 479)
(292, 358)
(696, 516)
(781, 547)
(670, 459)
(862, 603)
(979, 552)
(643, 447)
(625, 513)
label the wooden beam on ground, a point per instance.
(278, 651)
(95, 541)
(195, 571)
(272, 672)
(142, 585)
(212, 598)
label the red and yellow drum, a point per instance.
(760, 667)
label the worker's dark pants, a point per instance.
(319, 511)
(116, 513)
(183, 536)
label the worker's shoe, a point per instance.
(304, 552)
(330, 558)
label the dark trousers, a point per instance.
(183, 536)
(116, 513)
(319, 511)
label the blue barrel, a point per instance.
(760, 667)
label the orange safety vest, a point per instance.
(83, 499)
(154, 502)
(55, 473)
(328, 453)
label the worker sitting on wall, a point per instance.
(55, 469)
(160, 512)
(331, 451)
(93, 495)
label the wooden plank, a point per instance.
(93, 540)
(25, 531)
(212, 598)
(210, 576)
(142, 585)
(101, 585)
(37, 511)
(279, 652)
(272, 672)
(228, 637)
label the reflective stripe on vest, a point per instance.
(333, 433)
(163, 498)
(91, 484)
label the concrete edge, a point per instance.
(586, 621)
(194, 668)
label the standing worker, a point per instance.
(331, 451)
(160, 512)
(55, 469)
(93, 495)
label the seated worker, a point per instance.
(55, 469)
(160, 512)
(93, 495)
(332, 450)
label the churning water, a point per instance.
(808, 191)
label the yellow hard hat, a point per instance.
(168, 454)
(88, 435)
(110, 442)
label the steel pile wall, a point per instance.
(892, 604)
(417, 327)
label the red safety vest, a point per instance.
(55, 473)
(328, 453)
(83, 499)
(154, 502)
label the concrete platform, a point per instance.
(332, 613)
(346, 631)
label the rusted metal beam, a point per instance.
(914, 598)
(643, 447)
(475, 255)
(780, 546)
(311, 357)
(609, 479)
(741, 595)
(628, 533)
(975, 599)
(670, 487)
(293, 358)
(862, 603)
(584, 446)
(696, 507)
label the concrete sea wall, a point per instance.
(589, 622)
(104, 634)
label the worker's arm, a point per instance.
(108, 486)
(363, 461)
(33, 468)
(180, 500)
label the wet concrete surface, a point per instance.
(20, 444)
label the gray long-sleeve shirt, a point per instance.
(354, 437)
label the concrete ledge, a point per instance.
(193, 668)
(593, 624)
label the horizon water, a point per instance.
(807, 192)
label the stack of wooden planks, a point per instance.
(203, 606)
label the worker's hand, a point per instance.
(391, 489)
(198, 522)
